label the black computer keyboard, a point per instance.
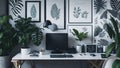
(61, 56)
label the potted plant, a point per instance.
(8, 40)
(27, 32)
(79, 36)
(114, 33)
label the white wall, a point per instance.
(42, 19)
(96, 22)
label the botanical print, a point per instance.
(84, 14)
(16, 6)
(102, 34)
(114, 10)
(97, 30)
(55, 12)
(81, 28)
(99, 5)
(103, 42)
(80, 11)
(76, 12)
(33, 11)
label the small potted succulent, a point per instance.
(79, 37)
(27, 33)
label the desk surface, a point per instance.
(77, 56)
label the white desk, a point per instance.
(18, 59)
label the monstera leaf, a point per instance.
(16, 6)
(37, 37)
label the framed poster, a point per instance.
(55, 12)
(80, 11)
(81, 28)
(33, 10)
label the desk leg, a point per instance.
(95, 64)
(18, 64)
(32, 64)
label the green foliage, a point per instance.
(37, 37)
(80, 35)
(114, 33)
(26, 32)
(116, 64)
(0, 51)
(7, 35)
(110, 48)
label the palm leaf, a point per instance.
(115, 24)
(110, 30)
(110, 48)
(76, 31)
(16, 6)
(118, 52)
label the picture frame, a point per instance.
(33, 10)
(81, 28)
(80, 11)
(55, 12)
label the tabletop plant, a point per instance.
(28, 32)
(114, 33)
(79, 35)
(8, 37)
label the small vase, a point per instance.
(78, 49)
(25, 51)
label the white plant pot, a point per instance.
(108, 63)
(78, 49)
(4, 63)
(25, 51)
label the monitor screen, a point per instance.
(56, 41)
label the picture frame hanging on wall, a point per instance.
(55, 12)
(80, 11)
(33, 10)
(81, 28)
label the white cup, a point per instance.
(78, 49)
(25, 51)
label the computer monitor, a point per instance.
(57, 42)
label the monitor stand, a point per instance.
(56, 51)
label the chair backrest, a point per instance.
(109, 61)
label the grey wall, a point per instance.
(3, 7)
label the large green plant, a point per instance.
(28, 32)
(114, 33)
(80, 35)
(7, 35)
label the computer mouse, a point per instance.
(92, 55)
